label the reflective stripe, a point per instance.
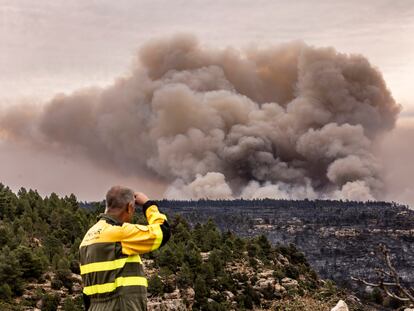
(110, 287)
(101, 277)
(155, 216)
(108, 265)
(158, 237)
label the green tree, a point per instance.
(53, 246)
(207, 272)
(252, 249)
(5, 292)
(185, 276)
(192, 257)
(217, 262)
(7, 208)
(6, 235)
(10, 271)
(69, 305)
(264, 245)
(155, 286)
(50, 302)
(72, 202)
(31, 264)
(201, 290)
(64, 275)
(239, 246)
(181, 233)
(167, 258)
(63, 264)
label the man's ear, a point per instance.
(131, 208)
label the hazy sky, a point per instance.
(51, 46)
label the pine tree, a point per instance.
(5, 292)
(6, 208)
(10, 270)
(50, 302)
(155, 286)
(31, 264)
(185, 276)
(201, 290)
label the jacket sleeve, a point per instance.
(139, 239)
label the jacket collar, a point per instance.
(109, 219)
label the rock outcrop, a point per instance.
(341, 306)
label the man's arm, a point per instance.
(151, 212)
(139, 239)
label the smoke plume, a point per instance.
(288, 121)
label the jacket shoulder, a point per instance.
(102, 232)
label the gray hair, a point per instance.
(119, 197)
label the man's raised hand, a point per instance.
(140, 198)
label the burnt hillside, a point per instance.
(338, 238)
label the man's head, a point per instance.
(120, 203)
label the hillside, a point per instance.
(201, 268)
(338, 238)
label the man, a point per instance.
(110, 265)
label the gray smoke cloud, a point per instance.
(289, 121)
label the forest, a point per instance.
(39, 240)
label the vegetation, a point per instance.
(388, 288)
(39, 240)
(38, 235)
(200, 258)
(332, 234)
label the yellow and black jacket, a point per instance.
(110, 265)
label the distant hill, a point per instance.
(337, 237)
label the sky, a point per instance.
(54, 46)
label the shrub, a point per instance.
(70, 305)
(50, 302)
(64, 275)
(5, 292)
(155, 286)
(56, 284)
